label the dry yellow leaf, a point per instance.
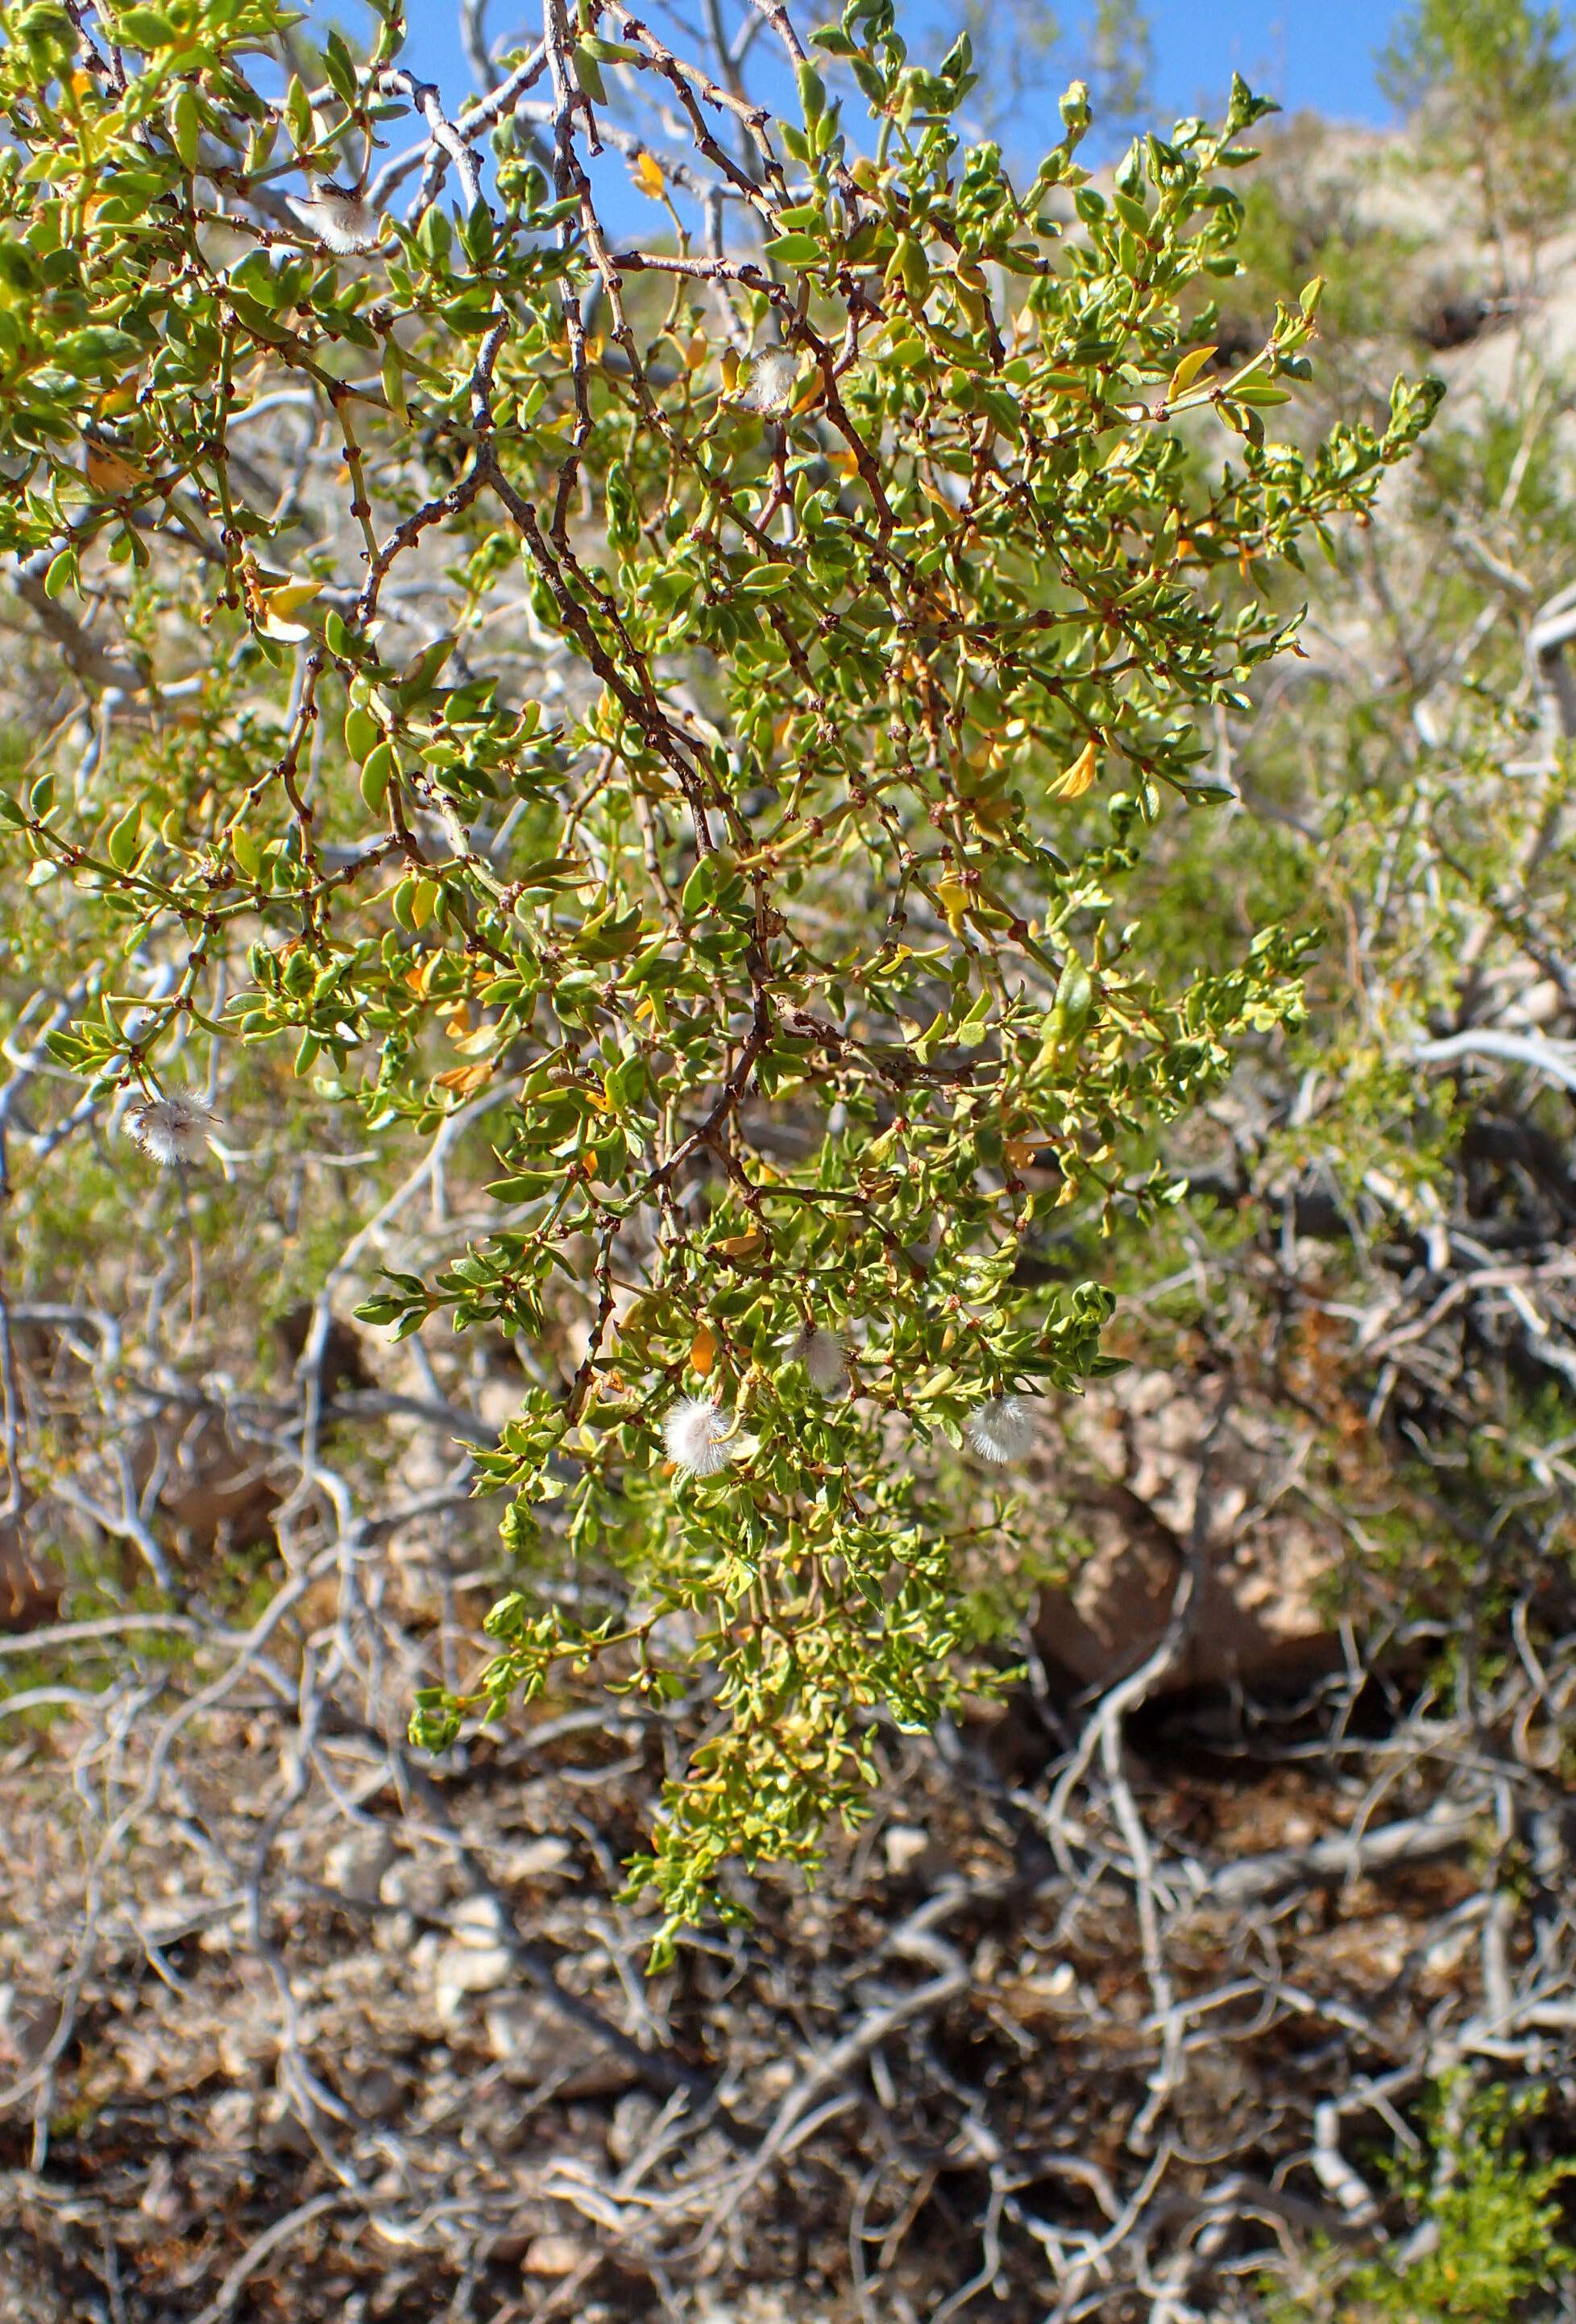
(703, 1351)
(107, 473)
(953, 897)
(1018, 1152)
(291, 596)
(648, 175)
(738, 1246)
(1186, 372)
(1075, 780)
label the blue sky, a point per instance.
(1320, 54)
(1314, 53)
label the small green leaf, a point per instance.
(588, 73)
(393, 374)
(185, 125)
(812, 91)
(147, 28)
(298, 113)
(795, 250)
(340, 68)
(61, 575)
(362, 732)
(610, 52)
(121, 844)
(377, 774)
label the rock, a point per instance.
(160, 2198)
(507, 2248)
(376, 2094)
(556, 2255)
(464, 1968)
(422, 1887)
(213, 1491)
(355, 1866)
(631, 2126)
(1259, 1617)
(478, 1960)
(232, 2118)
(534, 1859)
(514, 2029)
(282, 2131)
(27, 2024)
(394, 1932)
(542, 2046)
(479, 1921)
(344, 1361)
(903, 1845)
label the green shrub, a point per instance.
(882, 568)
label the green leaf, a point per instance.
(121, 844)
(298, 113)
(478, 237)
(426, 669)
(393, 378)
(812, 91)
(795, 250)
(184, 125)
(376, 775)
(148, 29)
(610, 52)
(340, 68)
(362, 732)
(588, 73)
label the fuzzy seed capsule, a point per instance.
(1003, 1428)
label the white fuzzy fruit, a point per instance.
(169, 1130)
(824, 1358)
(1004, 1428)
(697, 1437)
(342, 221)
(771, 381)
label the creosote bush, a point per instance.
(843, 573)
